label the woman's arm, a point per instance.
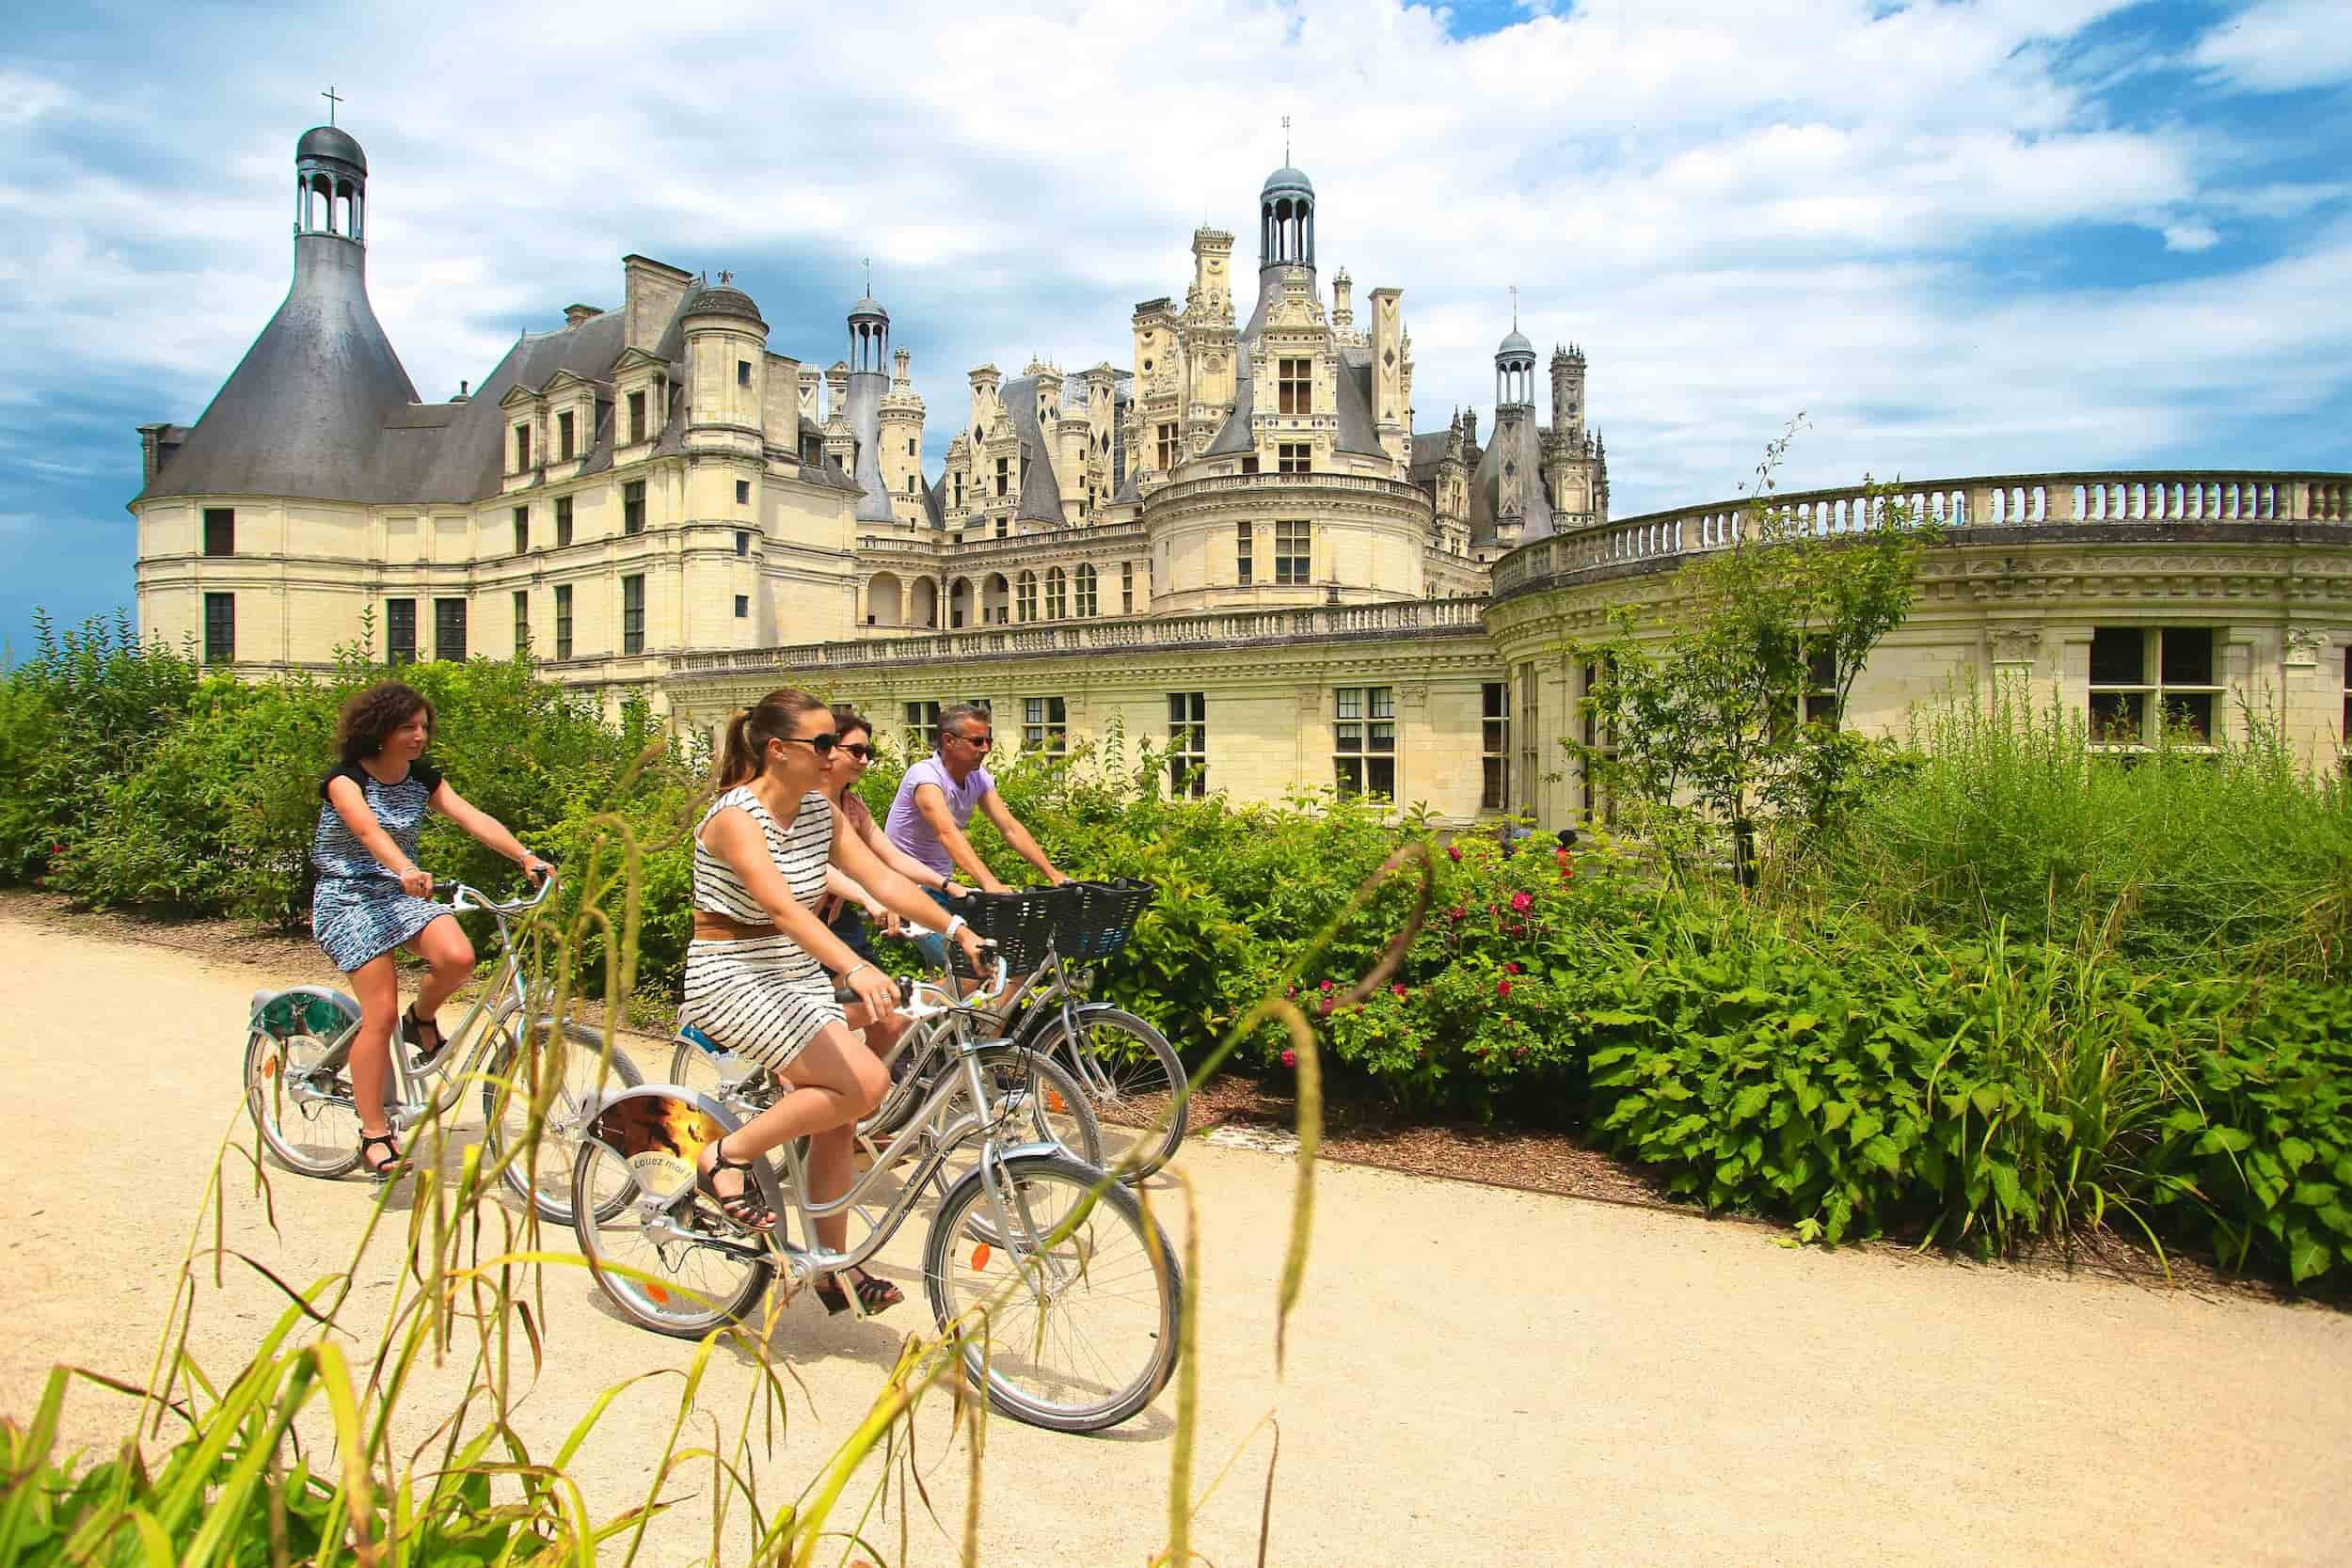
(871, 835)
(351, 804)
(485, 827)
(899, 895)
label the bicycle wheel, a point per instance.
(1036, 1101)
(1134, 1078)
(692, 1270)
(1082, 1332)
(305, 1115)
(575, 1057)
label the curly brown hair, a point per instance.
(368, 718)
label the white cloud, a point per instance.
(1740, 208)
(2280, 45)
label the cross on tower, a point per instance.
(1286, 141)
(331, 102)
(1515, 306)
(869, 277)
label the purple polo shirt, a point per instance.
(910, 832)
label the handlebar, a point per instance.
(461, 896)
(915, 1011)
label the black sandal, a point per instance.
(873, 1295)
(743, 1206)
(394, 1163)
(411, 1027)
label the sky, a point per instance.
(1954, 239)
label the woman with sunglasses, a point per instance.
(761, 969)
(846, 906)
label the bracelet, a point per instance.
(862, 963)
(954, 922)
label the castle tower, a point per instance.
(868, 384)
(727, 369)
(302, 414)
(1515, 375)
(901, 429)
(1286, 221)
(1568, 393)
(1343, 303)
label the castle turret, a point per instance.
(1568, 393)
(727, 368)
(903, 443)
(868, 383)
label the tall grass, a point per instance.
(2236, 855)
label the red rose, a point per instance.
(1522, 902)
(1511, 967)
(1289, 1058)
(1327, 1007)
(1453, 853)
(1503, 988)
(1326, 986)
(1396, 991)
(1457, 913)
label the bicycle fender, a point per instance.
(320, 1012)
(659, 1131)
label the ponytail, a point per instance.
(772, 717)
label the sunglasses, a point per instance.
(978, 742)
(821, 744)
(860, 751)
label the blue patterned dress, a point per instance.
(360, 911)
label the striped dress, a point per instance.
(764, 998)
(359, 910)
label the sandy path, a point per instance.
(1478, 1377)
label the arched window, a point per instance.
(1024, 596)
(1087, 605)
(1057, 593)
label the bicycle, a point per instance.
(1129, 1072)
(298, 1044)
(1028, 1234)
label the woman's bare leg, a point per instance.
(443, 946)
(378, 988)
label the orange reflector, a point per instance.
(1054, 1101)
(979, 1256)
(660, 1296)
(269, 1067)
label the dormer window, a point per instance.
(1294, 385)
(636, 416)
(522, 447)
(1004, 475)
(563, 436)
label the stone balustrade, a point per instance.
(1121, 634)
(2055, 500)
(939, 548)
(1361, 484)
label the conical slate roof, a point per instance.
(302, 414)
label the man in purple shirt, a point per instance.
(936, 800)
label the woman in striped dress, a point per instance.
(371, 897)
(761, 969)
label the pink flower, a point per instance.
(1503, 988)
(1289, 1058)
(1522, 902)
(1454, 853)
(1326, 1009)
(1511, 967)
(1396, 991)
(1327, 988)
(1457, 913)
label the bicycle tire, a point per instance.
(1114, 1246)
(266, 1076)
(548, 1187)
(650, 1305)
(1145, 1083)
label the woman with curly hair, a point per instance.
(371, 898)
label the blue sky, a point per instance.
(1959, 238)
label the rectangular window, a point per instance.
(2128, 708)
(400, 631)
(1127, 599)
(742, 492)
(1242, 534)
(1363, 740)
(522, 447)
(563, 620)
(1292, 552)
(1044, 725)
(449, 630)
(1169, 446)
(563, 521)
(1004, 475)
(633, 507)
(1188, 743)
(522, 623)
(923, 725)
(1293, 457)
(742, 541)
(1601, 737)
(633, 613)
(1084, 593)
(959, 491)
(220, 530)
(1004, 526)
(909, 446)
(522, 531)
(636, 416)
(1820, 683)
(563, 436)
(1294, 385)
(1494, 745)
(742, 607)
(220, 628)
(2344, 737)
(1249, 464)
(742, 373)
(1057, 593)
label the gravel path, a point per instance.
(1478, 1376)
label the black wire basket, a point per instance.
(1022, 924)
(1103, 918)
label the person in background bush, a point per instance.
(935, 803)
(846, 904)
(371, 898)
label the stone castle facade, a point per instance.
(1239, 548)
